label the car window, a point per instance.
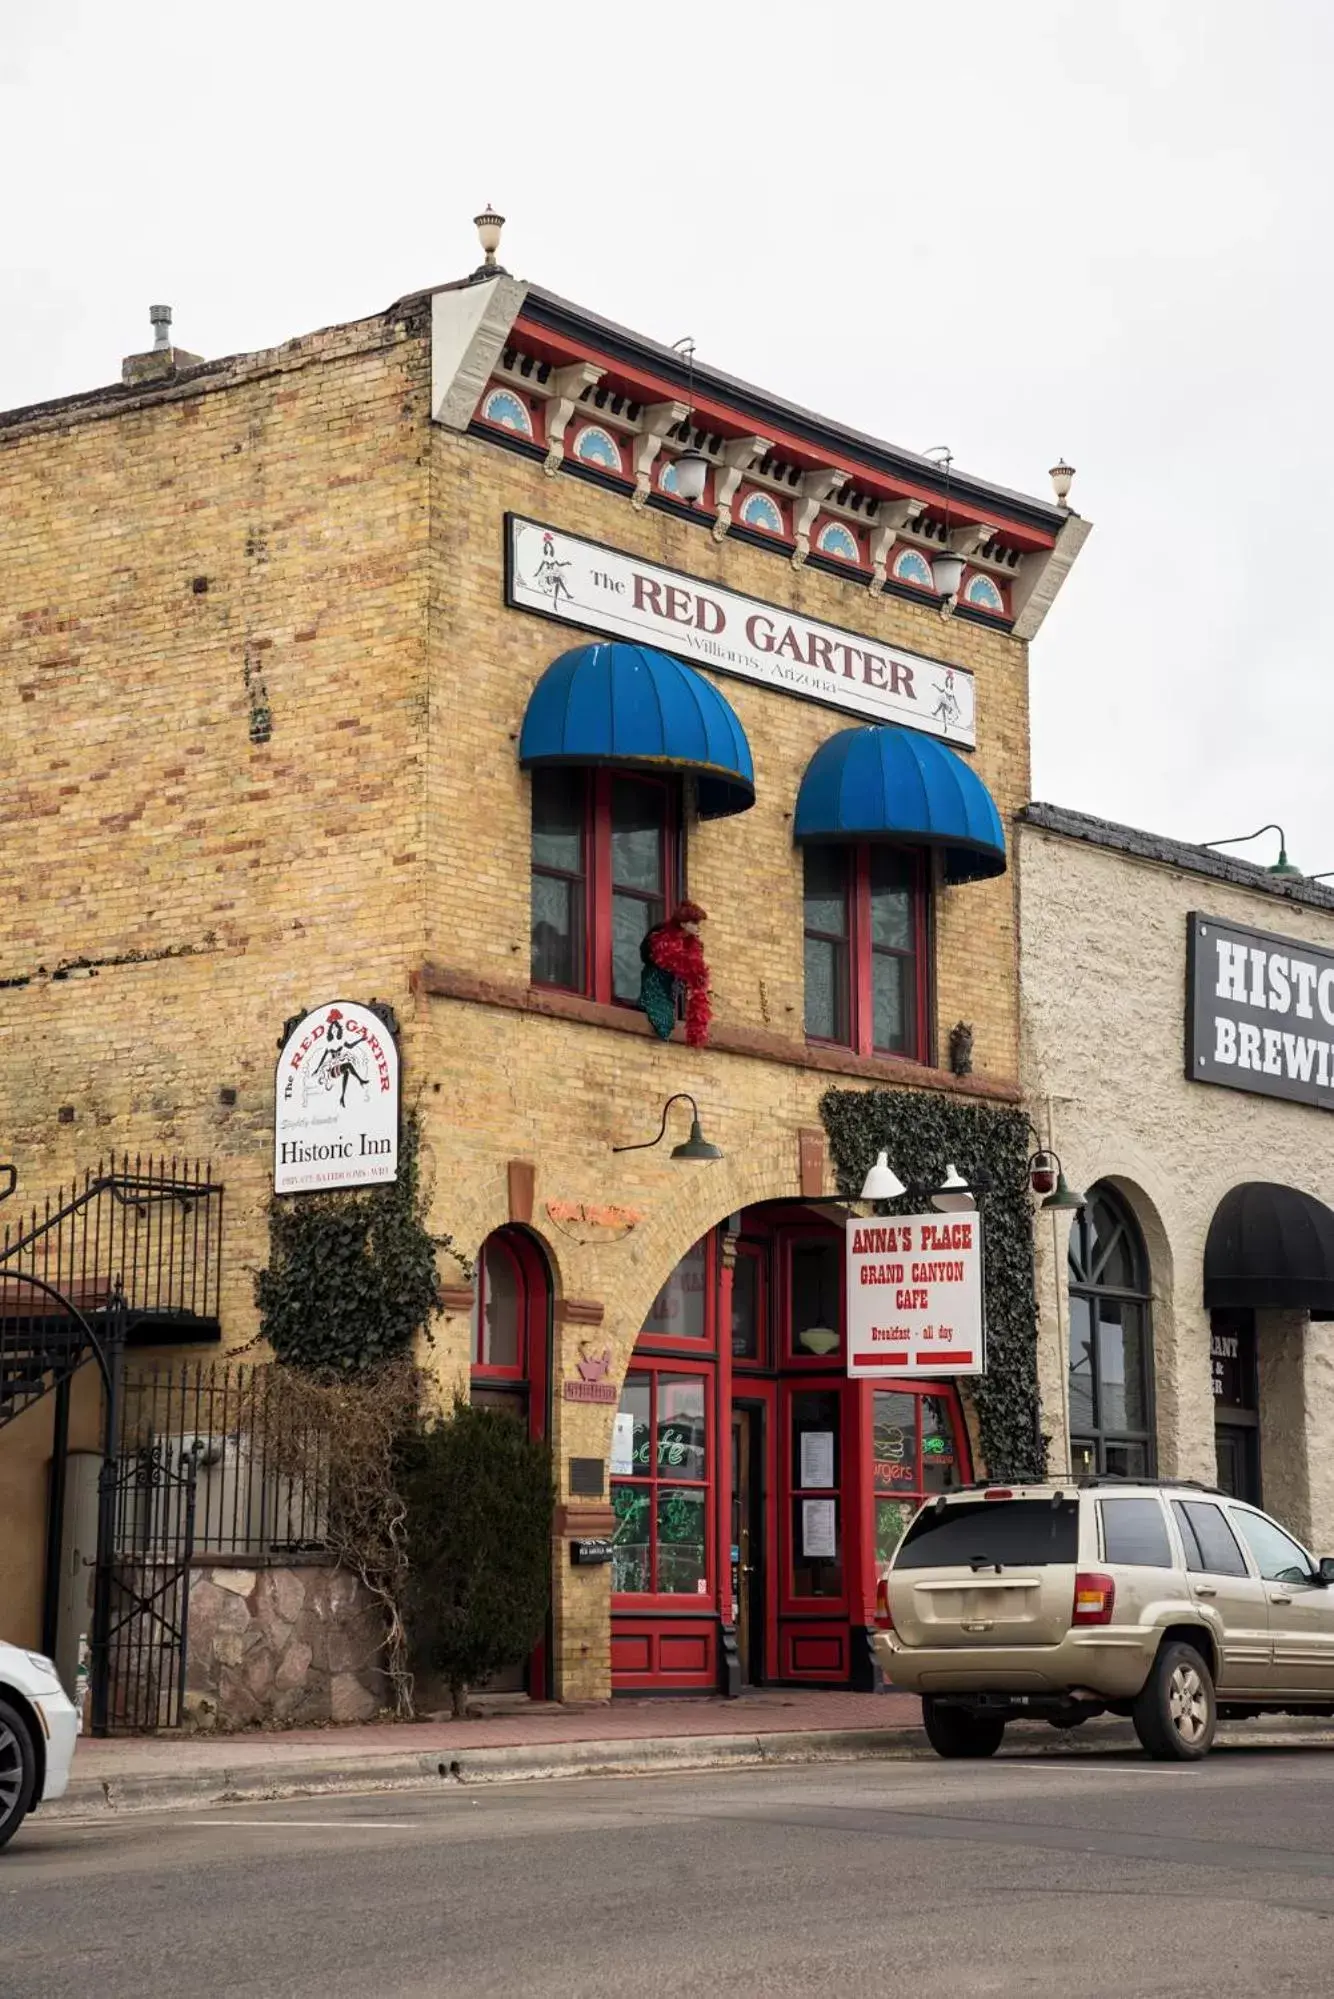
(1210, 1545)
(1134, 1531)
(981, 1533)
(1277, 1556)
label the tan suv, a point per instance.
(1160, 1600)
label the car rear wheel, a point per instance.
(1176, 1714)
(18, 1772)
(956, 1731)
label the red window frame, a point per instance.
(674, 1369)
(526, 1375)
(652, 1340)
(843, 1492)
(798, 1359)
(911, 1493)
(755, 1256)
(859, 952)
(594, 883)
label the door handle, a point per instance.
(1205, 1589)
(1276, 1598)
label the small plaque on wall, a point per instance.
(589, 1554)
(587, 1478)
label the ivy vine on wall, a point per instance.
(351, 1277)
(923, 1134)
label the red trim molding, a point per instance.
(456, 1297)
(522, 1175)
(441, 982)
(573, 1522)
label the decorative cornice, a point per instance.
(1041, 575)
(814, 489)
(736, 456)
(565, 388)
(654, 424)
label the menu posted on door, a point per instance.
(915, 1296)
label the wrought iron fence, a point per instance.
(260, 1482)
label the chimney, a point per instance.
(161, 361)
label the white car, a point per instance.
(38, 1729)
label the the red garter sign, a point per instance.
(335, 1114)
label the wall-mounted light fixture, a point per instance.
(1282, 867)
(694, 1147)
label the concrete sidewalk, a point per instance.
(523, 1741)
(127, 1773)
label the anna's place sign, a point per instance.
(1260, 1012)
(582, 583)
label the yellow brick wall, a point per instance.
(354, 560)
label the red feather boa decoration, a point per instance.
(679, 952)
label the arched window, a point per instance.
(1111, 1358)
(981, 591)
(505, 408)
(759, 511)
(510, 1318)
(835, 539)
(596, 446)
(912, 567)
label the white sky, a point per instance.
(1025, 228)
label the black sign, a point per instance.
(1259, 1012)
(585, 1554)
(1232, 1359)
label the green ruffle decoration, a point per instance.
(657, 997)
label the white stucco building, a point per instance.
(1178, 1046)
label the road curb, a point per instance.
(511, 1763)
(517, 1763)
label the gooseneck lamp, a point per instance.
(694, 1147)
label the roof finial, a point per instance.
(1060, 475)
(489, 226)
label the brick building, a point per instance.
(290, 719)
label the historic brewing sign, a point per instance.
(914, 1286)
(335, 1113)
(1259, 1012)
(582, 583)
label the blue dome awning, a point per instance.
(888, 783)
(628, 704)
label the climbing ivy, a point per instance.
(923, 1134)
(351, 1278)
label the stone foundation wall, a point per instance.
(281, 1646)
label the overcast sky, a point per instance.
(1097, 228)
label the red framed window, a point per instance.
(662, 1484)
(867, 928)
(918, 1447)
(684, 1310)
(510, 1328)
(606, 864)
(750, 1307)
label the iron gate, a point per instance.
(142, 1589)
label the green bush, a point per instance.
(351, 1278)
(480, 1500)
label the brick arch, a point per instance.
(706, 1196)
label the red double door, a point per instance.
(758, 1491)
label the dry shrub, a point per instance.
(341, 1438)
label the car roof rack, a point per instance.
(1086, 1481)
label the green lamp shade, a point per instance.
(819, 1339)
(696, 1146)
(1065, 1197)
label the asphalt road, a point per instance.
(1068, 1875)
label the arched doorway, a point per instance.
(511, 1371)
(758, 1491)
(1111, 1341)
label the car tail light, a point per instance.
(882, 1610)
(998, 1492)
(1095, 1597)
